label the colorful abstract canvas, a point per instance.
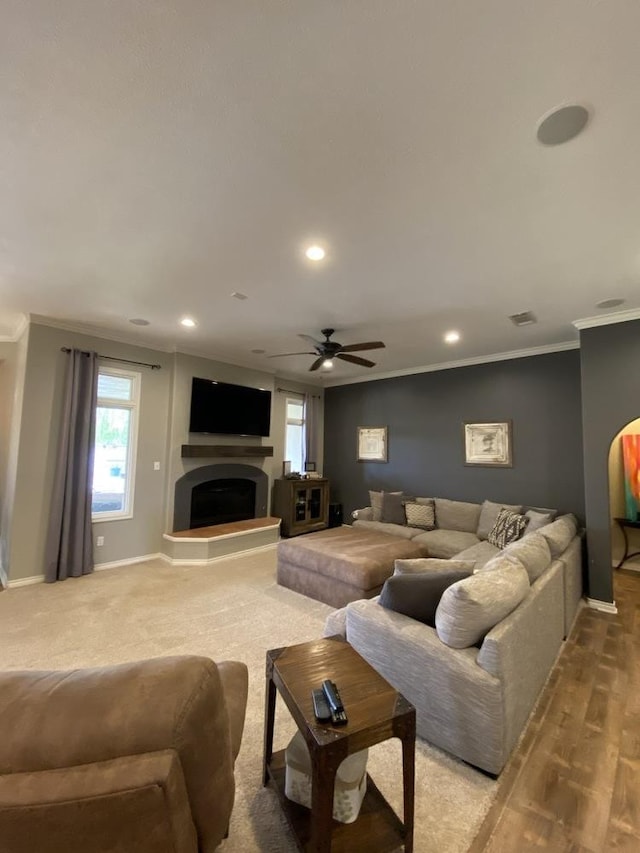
(631, 458)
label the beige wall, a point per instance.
(13, 371)
(163, 428)
(616, 488)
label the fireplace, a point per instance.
(218, 494)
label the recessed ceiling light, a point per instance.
(610, 303)
(139, 321)
(452, 337)
(188, 322)
(328, 363)
(315, 253)
(562, 125)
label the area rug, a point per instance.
(230, 610)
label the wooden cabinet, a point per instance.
(303, 505)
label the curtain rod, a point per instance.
(121, 360)
(299, 393)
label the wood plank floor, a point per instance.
(573, 784)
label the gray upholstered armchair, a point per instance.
(132, 757)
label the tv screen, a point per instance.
(219, 407)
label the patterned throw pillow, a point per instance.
(421, 515)
(509, 526)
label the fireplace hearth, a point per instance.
(218, 494)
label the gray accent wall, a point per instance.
(610, 399)
(424, 414)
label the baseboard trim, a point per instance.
(130, 561)
(177, 562)
(25, 581)
(631, 567)
(602, 606)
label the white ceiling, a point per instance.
(156, 155)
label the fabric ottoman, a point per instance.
(342, 564)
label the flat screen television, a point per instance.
(225, 409)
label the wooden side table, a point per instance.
(623, 524)
(376, 712)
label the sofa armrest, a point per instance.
(137, 800)
(364, 514)
(63, 719)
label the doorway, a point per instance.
(618, 504)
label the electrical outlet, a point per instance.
(156, 466)
(100, 541)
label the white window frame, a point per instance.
(133, 405)
(295, 422)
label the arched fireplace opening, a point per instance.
(219, 494)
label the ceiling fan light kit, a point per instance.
(327, 350)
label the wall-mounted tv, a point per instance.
(225, 409)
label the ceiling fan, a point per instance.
(327, 350)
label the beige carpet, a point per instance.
(232, 609)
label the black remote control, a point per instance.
(321, 707)
(338, 715)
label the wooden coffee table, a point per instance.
(376, 712)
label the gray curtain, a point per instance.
(69, 549)
(311, 427)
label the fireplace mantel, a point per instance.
(200, 451)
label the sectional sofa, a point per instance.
(474, 677)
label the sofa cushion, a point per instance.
(457, 515)
(400, 530)
(469, 608)
(433, 565)
(533, 552)
(421, 515)
(446, 543)
(418, 595)
(375, 499)
(537, 520)
(392, 511)
(480, 553)
(509, 526)
(489, 515)
(560, 533)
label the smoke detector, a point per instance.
(525, 318)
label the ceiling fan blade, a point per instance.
(311, 340)
(363, 346)
(280, 354)
(316, 364)
(354, 359)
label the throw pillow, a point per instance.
(421, 515)
(432, 564)
(560, 533)
(489, 515)
(375, 499)
(533, 552)
(473, 606)
(392, 511)
(537, 520)
(509, 526)
(417, 596)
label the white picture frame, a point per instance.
(488, 444)
(372, 444)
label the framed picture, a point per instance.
(488, 444)
(309, 466)
(286, 468)
(372, 444)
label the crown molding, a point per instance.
(607, 319)
(463, 362)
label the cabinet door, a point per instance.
(315, 504)
(299, 506)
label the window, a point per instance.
(115, 444)
(294, 438)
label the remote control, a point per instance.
(321, 707)
(338, 715)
